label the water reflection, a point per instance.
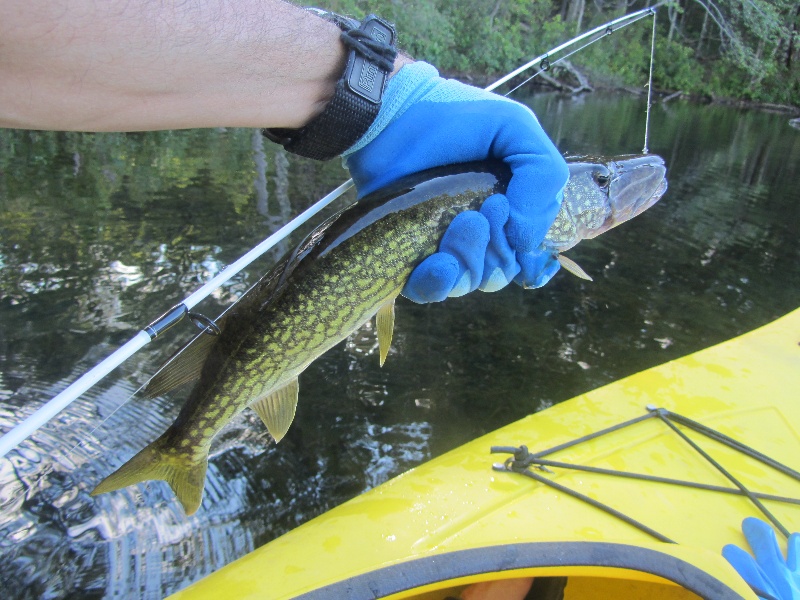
(101, 233)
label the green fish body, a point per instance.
(349, 269)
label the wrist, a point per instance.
(404, 89)
(401, 61)
(356, 97)
(316, 80)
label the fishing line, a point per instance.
(634, 15)
(649, 87)
(550, 65)
(50, 409)
(608, 31)
(86, 437)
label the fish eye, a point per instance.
(602, 179)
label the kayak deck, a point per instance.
(467, 516)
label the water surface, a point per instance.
(99, 234)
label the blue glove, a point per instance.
(426, 121)
(768, 572)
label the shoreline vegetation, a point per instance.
(737, 52)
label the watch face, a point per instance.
(366, 80)
(364, 77)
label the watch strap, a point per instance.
(357, 97)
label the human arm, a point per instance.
(119, 65)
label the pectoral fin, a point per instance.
(385, 325)
(277, 410)
(573, 267)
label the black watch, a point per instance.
(357, 98)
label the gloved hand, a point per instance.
(426, 121)
(768, 572)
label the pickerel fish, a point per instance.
(350, 268)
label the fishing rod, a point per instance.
(52, 407)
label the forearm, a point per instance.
(136, 65)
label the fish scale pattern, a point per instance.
(323, 301)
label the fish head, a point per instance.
(603, 192)
(637, 183)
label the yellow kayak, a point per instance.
(628, 491)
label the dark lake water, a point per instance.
(99, 234)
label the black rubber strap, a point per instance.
(357, 98)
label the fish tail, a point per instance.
(184, 473)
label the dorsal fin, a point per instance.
(182, 367)
(185, 365)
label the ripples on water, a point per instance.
(101, 233)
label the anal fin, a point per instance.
(384, 321)
(277, 410)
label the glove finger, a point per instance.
(762, 540)
(793, 558)
(466, 239)
(433, 279)
(539, 173)
(500, 265)
(537, 268)
(793, 552)
(748, 569)
(764, 544)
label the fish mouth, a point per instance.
(637, 183)
(662, 188)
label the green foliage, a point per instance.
(470, 35)
(674, 66)
(495, 37)
(720, 48)
(676, 69)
